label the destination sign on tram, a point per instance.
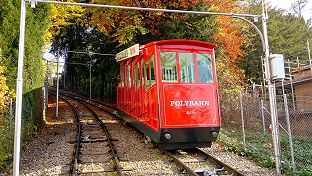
(127, 53)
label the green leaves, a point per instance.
(33, 75)
(288, 35)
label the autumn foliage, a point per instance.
(126, 25)
(231, 40)
(3, 89)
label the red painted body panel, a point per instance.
(193, 105)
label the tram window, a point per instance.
(138, 78)
(146, 76)
(168, 66)
(129, 76)
(152, 73)
(143, 74)
(134, 76)
(187, 69)
(204, 68)
(122, 76)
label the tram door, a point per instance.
(132, 89)
(128, 87)
(137, 88)
(149, 106)
(121, 87)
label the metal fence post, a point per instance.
(57, 89)
(11, 112)
(111, 90)
(242, 116)
(262, 114)
(74, 83)
(104, 89)
(309, 55)
(289, 133)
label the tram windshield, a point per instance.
(168, 66)
(187, 67)
(187, 70)
(204, 68)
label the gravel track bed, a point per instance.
(242, 164)
(52, 151)
(195, 161)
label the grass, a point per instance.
(29, 131)
(259, 148)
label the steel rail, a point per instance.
(213, 159)
(179, 162)
(107, 108)
(77, 115)
(208, 157)
(109, 140)
(113, 150)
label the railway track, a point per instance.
(193, 162)
(95, 152)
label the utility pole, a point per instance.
(64, 71)
(90, 80)
(57, 87)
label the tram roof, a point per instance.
(135, 49)
(182, 42)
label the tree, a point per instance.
(60, 17)
(128, 26)
(287, 34)
(124, 28)
(34, 69)
(230, 38)
(298, 6)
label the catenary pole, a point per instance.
(46, 90)
(90, 80)
(19, 92)
(57, 88)
(271, 87)
(64, 71)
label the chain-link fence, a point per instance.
(247, 123)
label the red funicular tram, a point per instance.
(168, 90)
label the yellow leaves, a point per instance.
(127, 34)
(3, 88)
(62, 15)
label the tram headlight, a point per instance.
(167, 136)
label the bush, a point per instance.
(7, 141)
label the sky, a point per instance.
(286, 4)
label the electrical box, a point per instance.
(277, 67)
